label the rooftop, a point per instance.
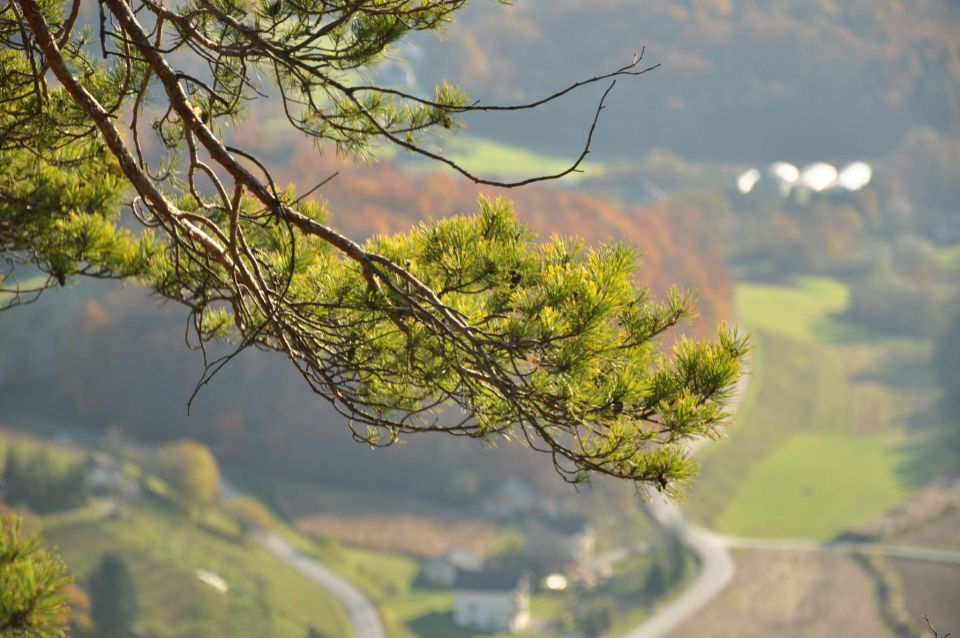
(490, 581)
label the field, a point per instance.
(950, 256)
(931, 590)
(802, 312)
(60, 456)
(791, 596)
(815, 483)
(834, 430)
(492, 159)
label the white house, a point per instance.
(491, 601)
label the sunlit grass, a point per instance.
(491, 159)
(62, 456)
(949, 256)
(815, 485)
(802, 309)
(794, 387)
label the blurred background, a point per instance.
(796, 162)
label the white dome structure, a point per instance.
(855, 176)
(818, 176)
(747, 180)
(785, 172)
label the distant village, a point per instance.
(490, 594)
(496, 597)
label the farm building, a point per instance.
(491, 601)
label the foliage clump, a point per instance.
(32, 580)
(113, 597)
(191, 471)
(467, 326)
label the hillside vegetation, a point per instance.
(741, 79)
(164, 549)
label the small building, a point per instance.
(106, 477)
(563, 544)
(578, 534)
(492, 601)
(442, 569)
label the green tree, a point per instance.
(191, 471)
(13, 475)
(596, 617)
(113, 598)
(250, 515)
(468, 325)
(38, 482)
(32, 579)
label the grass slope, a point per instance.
(801, 311)
(816, 483)
(830, 432)
(793, 388)
(266, 597)
(492, 159)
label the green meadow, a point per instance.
(949, 256)
(804, 310)
(814, 483)
(827, 436)
(493, 159)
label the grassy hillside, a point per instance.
(736, 81)
(834, 430)
(266, 597)
(164, 550)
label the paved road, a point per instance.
(716, 570)
(361, 611)
(363, 615)
(906, 552)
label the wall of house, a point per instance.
(491, 611)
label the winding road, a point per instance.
(716, 570)
(362, 613)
